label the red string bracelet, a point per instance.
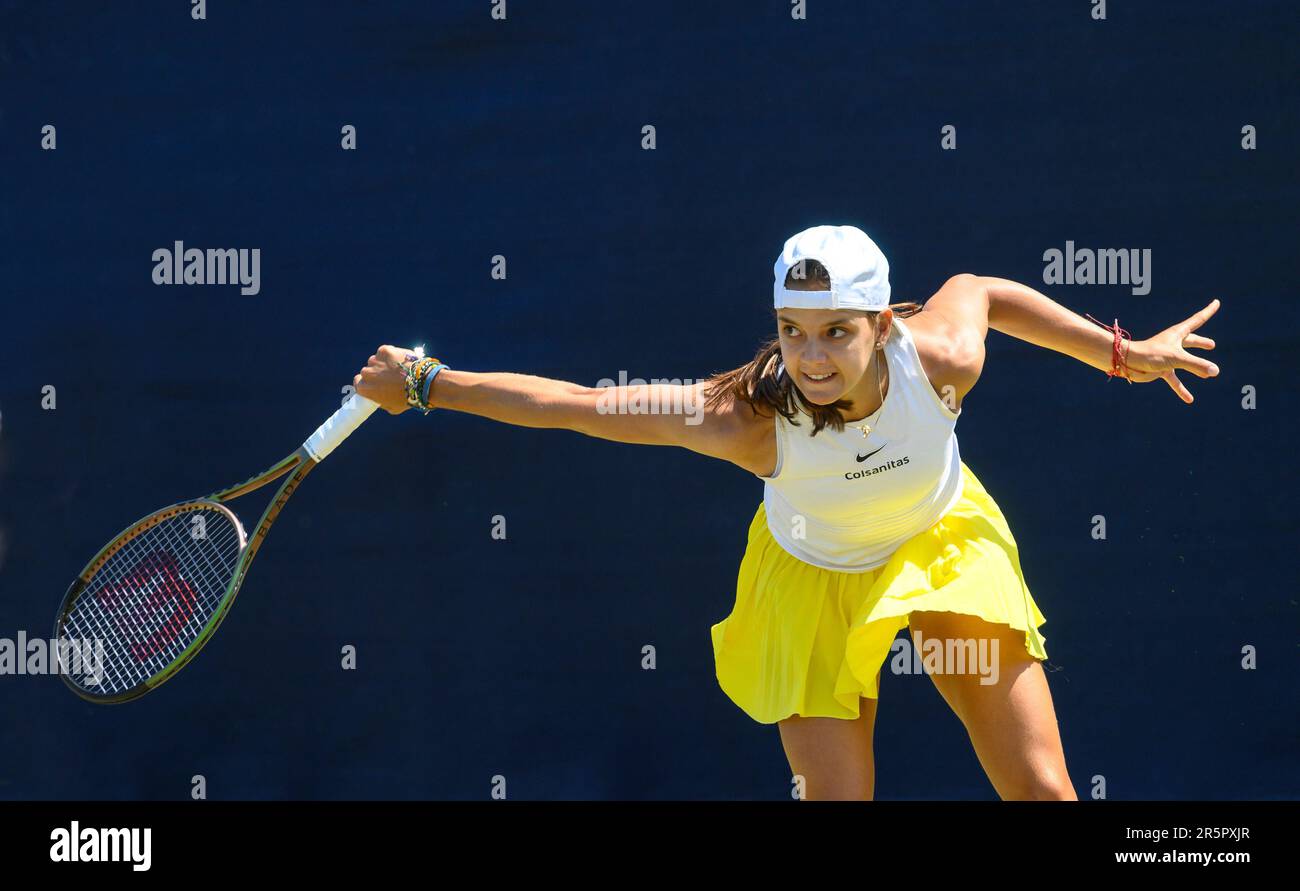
(1118, 360)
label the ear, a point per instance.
(884, 324)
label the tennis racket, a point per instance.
(155, 594)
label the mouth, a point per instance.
(818, 378)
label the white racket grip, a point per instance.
(339, 426)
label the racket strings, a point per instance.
(152, 599)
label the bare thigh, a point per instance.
(1011, 722)
(832, 755)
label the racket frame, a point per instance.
(295, 466)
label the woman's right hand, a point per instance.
(383, 380)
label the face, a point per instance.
(829, 352)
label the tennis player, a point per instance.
(870, 520)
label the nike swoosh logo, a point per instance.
(862, 458)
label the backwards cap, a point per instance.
(858, 271)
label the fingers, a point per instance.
(1196, 365)
(1203, 316)
(390, 354)
(1171, 378)
(367, 378)
(375, 363)
(1196, 341)
(380, 379)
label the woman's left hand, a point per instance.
(1165, 353)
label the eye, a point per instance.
(838, 328)
(789, 328)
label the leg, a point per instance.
(1011, 723)
(833, 755)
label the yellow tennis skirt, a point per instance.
(803, 640)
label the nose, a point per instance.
(813, 354)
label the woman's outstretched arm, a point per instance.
(621, 414)
(974, 303)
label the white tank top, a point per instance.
(861, 498)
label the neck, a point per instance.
(876, 395)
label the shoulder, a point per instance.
(949, 335)
(741, 433)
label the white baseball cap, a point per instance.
(858, 270)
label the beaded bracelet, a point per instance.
(419, 375)
(428, 382)
(414, 375)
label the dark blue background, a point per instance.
(522, 658)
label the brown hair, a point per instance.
(756, 382)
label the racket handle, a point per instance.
(339, 427)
